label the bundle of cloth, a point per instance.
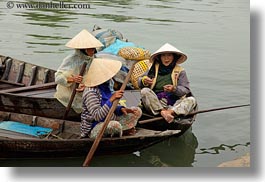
(116, 47)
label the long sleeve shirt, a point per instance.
(96, 106)
(181, 81)
(71, 65)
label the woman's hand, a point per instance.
(125, 110)
(117, 95)
(169, 88)
(76, 79)
(147, 81)
(81, 87)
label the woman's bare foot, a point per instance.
(168, 115)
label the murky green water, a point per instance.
(213, 33)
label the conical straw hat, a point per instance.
(167, 48)
(101, 70)
(84, 40)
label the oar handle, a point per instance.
(106, 122)
(192, 113)
(216, 109)
(83, 68)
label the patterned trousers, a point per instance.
(153, 105)
(123, 122)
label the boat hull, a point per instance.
(67, 142)
(72, 148)
(38, 106)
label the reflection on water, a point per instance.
(45, 40)
(176, 151)
(131, 19)
(158, 6)
(222, 147)
(114, 17)
(173, 152)
(115, 3)
(51, 18)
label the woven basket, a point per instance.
(139, 69)
(134, 53)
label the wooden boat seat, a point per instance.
(12, 83)
(46, 93)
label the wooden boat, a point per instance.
(64, 140)
(16, 74)
(37, 99)
(29, 89)
(39, 102)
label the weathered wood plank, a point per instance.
(47, 73)
(12, 83)
(33, 87)
(33, 75)
(43, 93)
(20, 73)
(8, 64)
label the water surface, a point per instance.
(213, 33)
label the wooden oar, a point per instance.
(106, 122)
(193, 113)
(83, 68)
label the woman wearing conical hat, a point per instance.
(67, 75)
(98, 99)
(165, 86)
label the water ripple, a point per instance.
(47, 37)
(45, 43)
(124, 18)
(46, 19)
(128, 4)
(222, 147)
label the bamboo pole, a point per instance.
(193, 113)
